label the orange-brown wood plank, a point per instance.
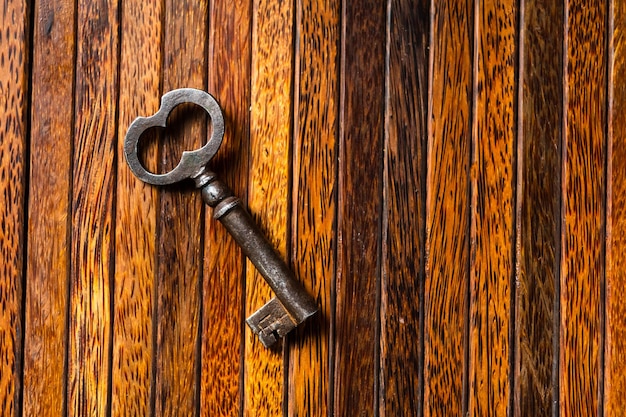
(13, 129)
(93, 190)
(180, 225)
(48, 264)
(404, 206)
(224, 265)
(615, 348)
(539, 205)
(357, 309)
(135, 218)
(447, 208)
(270, 139)
(492, 262)
(316, 102)
(583, 185)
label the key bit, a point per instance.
(271, 322)
(292, 304)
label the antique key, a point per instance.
(292, 304)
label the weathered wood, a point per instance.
(539, 205)
(492, 225)
(447, 209)
(180, 221)
(357, 309)
(583, 191)
(316, 102)
(13, 129)
(615, 343)
(404, 209)
(93, 190)
(48, 263)
(224, 265)
(135, 217)
(270, 129)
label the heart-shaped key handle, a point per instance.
(292, 304)
(192, 163)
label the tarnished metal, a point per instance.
(292, 304)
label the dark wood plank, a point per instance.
(615, 348)
(13, 131)
(224, 264)
(179, 220)
(270, 138)
(492, 262)
(316, 102)
(135, 216)
(93, 189)
(48, 263)
(539, 205)
(447, 209)
(357, 318)
(583, 188)
(404, 220)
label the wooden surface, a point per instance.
(445, 178)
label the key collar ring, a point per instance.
(192, 163)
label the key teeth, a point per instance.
(271, 322)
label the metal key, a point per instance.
(292, 304)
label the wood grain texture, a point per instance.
(583, 190)
(270, 134)
(492, 261)
(447, 209)
(135, 216)
(404, 209)
(539, 182)
(224, 264)
(13, 131)
(357, 309)
(615, 343)
(313, 242)
(48, 265)
(180, 224)
(93, 192)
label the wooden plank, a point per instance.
(404, 206)
(539, 205)
(180, 221)
(492, 261)
(93, 188)
(615, 348)
(357, 318)
(270, 133)
(583, 185)
(13, 131)
(48, 263)
(316, 102)
(224, 264)
(135, 225)
(447, 209)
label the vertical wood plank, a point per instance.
(93, 188)
(136, 204)
(48, 263)
(357, 315)
(447, 208)
(224, 264)
(404, 206)
(270, 128)
(615, 348)
(313, 241)
(13, 131)
(492, 262)
(583, 185)
(539, 179)
(179, 224)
